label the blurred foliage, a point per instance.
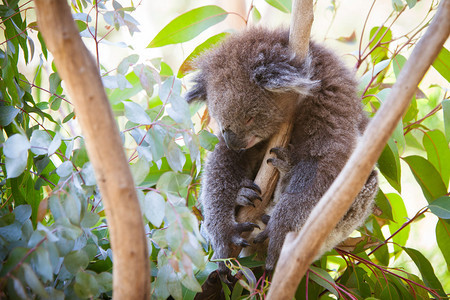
(54, 240)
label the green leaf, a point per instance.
(86, 285)
(76, 261)
(411, 3)
(322, 278)
(446, 110)
(43, 266)
(136, 114)
(441, 207)
(443, 239)
(68, 117)
(400, 217)
(380, 38)
(207, 140)
(389, 165)
(33, 281)
(89, 219)
(282, 5)
(65, 169)
(256, 15)
(383, 203)
(139, 170)
(442, 63)
(188, 25)
(438, 153)
(426, 270)
(154, 207)
(7, 114)
(427, 176)
(188, 64)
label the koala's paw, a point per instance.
(282, 161)
(248, 193)
(276, 239)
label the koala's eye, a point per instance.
(249, 121)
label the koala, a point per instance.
(244, 82)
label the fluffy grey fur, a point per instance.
(243, 82)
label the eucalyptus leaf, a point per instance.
(54, 145)
(15, 146)
(136, 114)
(427, 176)
(76, 261)
(40, 142)
(15, 166)
(441, 207)
(7, 114)
(154, 207)
(65, 169)
(188, 25)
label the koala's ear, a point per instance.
(198, 90)
(282, 77)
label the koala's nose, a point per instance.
(231, 140)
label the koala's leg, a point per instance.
(355, 216)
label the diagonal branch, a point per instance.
(300, 249)
(131, 276)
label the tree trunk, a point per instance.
(131, 273)
(299, 250)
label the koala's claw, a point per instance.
(248, 193)
(246, 226)
(282, 159)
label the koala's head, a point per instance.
(243, 80)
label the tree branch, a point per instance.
(267, 177)
(131, 276)
(300, 249)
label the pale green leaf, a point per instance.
(441, 207)
(136, 114)
(154, 207)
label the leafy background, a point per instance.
(54, 239)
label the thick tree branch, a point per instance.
(131, 276)
(299, 250)
(267, 177)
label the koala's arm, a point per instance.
(225, 179)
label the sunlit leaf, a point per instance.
(188, 64)
(427, 176)
(442, 63)
(438, 153)
(383, 203)
(188, 25)
(443, 239)
(446, 110)
(282, 5)
(40, 142)
(380, 38)
(400, 217)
